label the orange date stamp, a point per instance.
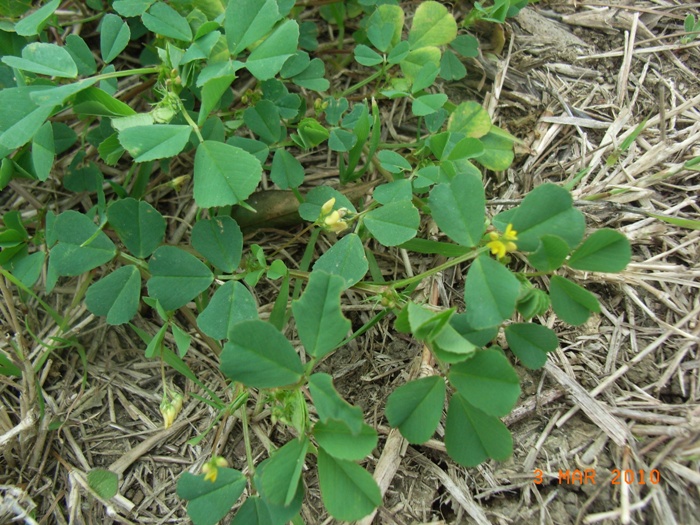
(588, 477)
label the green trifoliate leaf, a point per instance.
(131, 7)
(346, 258)
(385, 27)
(20, 118)
(330, 406)
(433, 25)
(341, 140)
(220, 241)
(479, 337)
(44, 59)
(27, 268)
(488, 382)
(114, 37)
(211, 501)
(259, 356)
(280, 480)
(139, 225)
(451, 67)
(55, 96)
(182, 339)
(604, 251)
(177, 277)
(73, 255)
(33, 23)
(531, 342)
(318, 316)
(313, 76)
(116, 296)
(43, 151)
(263, 119)
(550, 254)
(394, 223)
(201, 48)
(267, 59)
(393, 162)
(425, 77)
(547, 210)
(459, 207)
(224, 174)
(399, 190)
(399, 53)
(366, 56)
(158, 141)
(339, 441)
(471, 119)
(277, 513)
(80, 51)
(471, 436)
(428, 104)
(287, 172)
(348, 491)
(450, 346)
(247, 21)
(570, 302)
(466, 45)
(498, 151)
(94, 101)
(230, 304)
(254, 511)
(490, 293)
(416, 408)
(164, 20)
(417, 59)
(214, 80)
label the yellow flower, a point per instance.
(211, 468)
(500, 245)
(339, 226)
(332, 218)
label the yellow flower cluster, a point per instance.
(211, 468)
(333, 219)
(500, 245)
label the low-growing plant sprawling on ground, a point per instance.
(215, 211)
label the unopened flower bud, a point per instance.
(177, 402)
(169, 413)
(328, 206)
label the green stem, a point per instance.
(133, 260)
(444, 266)
(81, 20)
(248, 448)
(127, 73)
(364, 82)
(191, 122)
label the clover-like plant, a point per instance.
(236, 88)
